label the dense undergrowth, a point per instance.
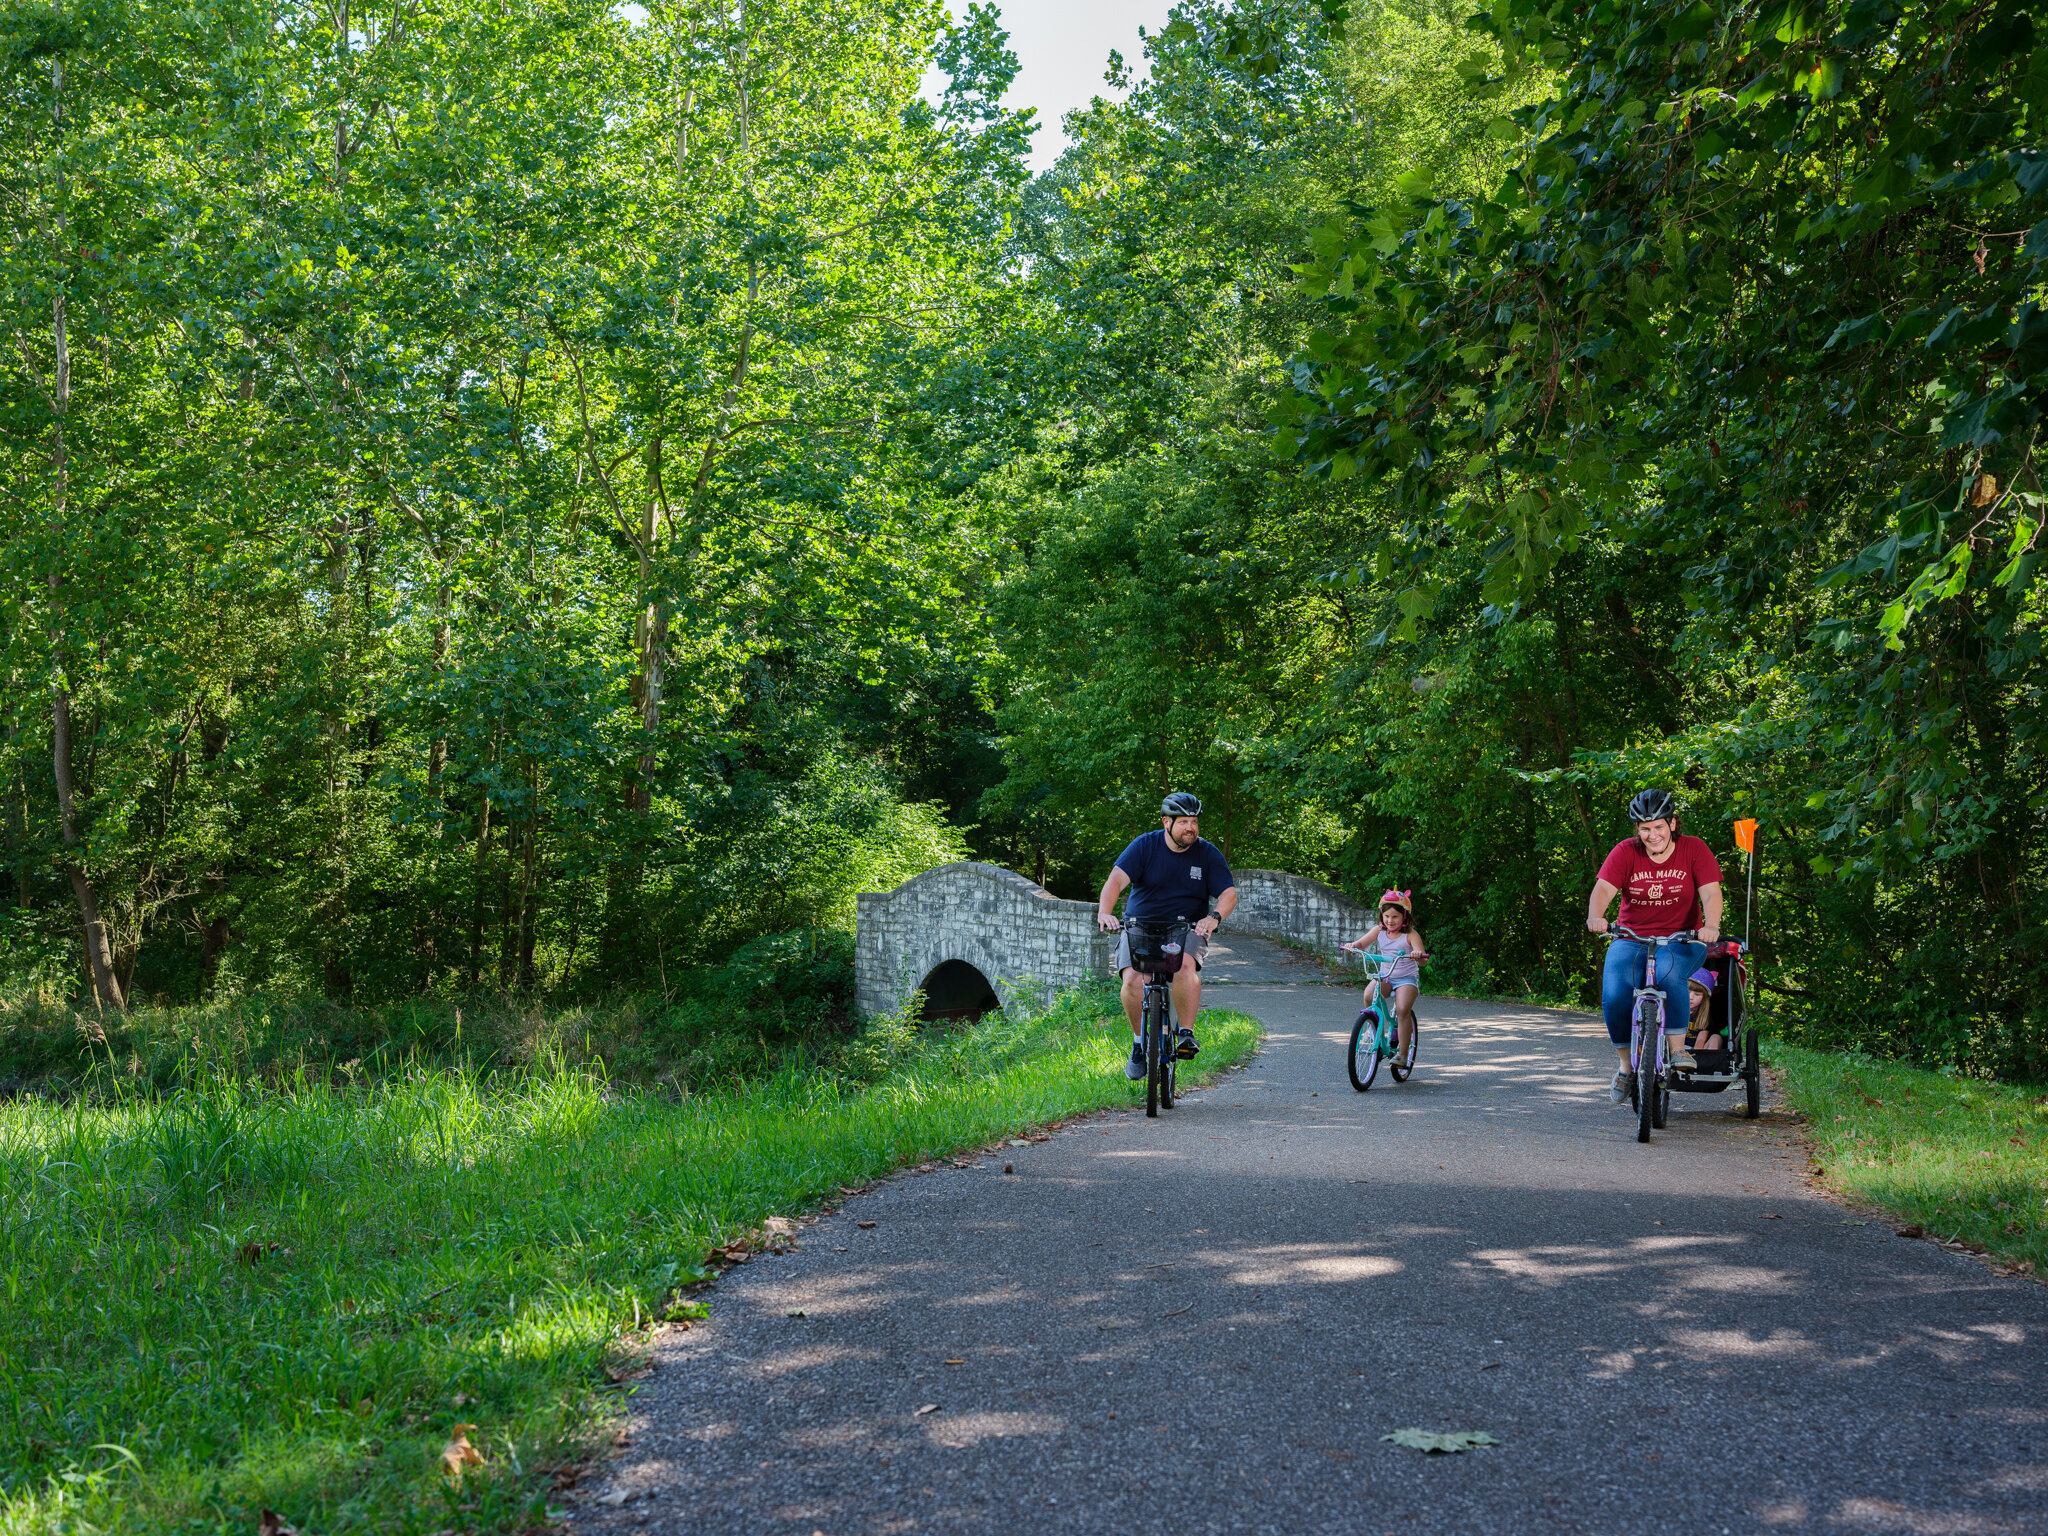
(782, 994)
(286, 1295)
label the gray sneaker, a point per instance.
(1624, 1084)
(1135, 1067)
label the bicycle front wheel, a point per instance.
(1153, 1064)
(1169, 1065)
(1363, 1059)
(1650, 1033)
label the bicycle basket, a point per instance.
(1156, 948)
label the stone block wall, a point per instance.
(1025, 940)
(1030, 943)
(1273, 902)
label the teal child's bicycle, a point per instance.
(1375, 1037)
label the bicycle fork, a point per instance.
(1649, 1018)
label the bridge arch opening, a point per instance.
(956, 990)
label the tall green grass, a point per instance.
(1965, 1160)
(241, 1297)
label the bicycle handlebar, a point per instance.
(1683, 936)
(1384, 960)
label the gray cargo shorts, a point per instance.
(1196, 944)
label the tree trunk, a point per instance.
(529, 887)
(437, 750)
(98, 957)
(476, 905)
(17, 828)
(97, 954)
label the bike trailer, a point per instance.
(1728, 1017)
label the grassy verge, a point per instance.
(1965, 1161)
(241, 1297)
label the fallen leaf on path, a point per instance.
(956, 1362)
(1455, 1440)
(458, 1453)
(778, 1226)
(1772, 1216)
(863, 1225)
(927, 1408)
(271, 1523)
(1008, 1169)
(1914, 1230)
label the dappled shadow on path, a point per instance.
(1209, 1320)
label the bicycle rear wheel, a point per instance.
(1402, 1064)
(1363, 1058)
(1752, 1077)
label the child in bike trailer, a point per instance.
(1394, 934)
(1703, 1037)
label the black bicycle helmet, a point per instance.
(1653, 805)
(1180, 803)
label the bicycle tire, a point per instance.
(1169, 1066)
(1395, 1065)
(1752, 1077)
(1651, 1027)
(1152, 1063)
(1660, 1111)
(1364, 1071)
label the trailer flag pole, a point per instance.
(1745, 839)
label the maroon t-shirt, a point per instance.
(1659, 897)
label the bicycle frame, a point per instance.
(1156, 1038)
(1376, 966)
(1367, 1051)
(1650, 1054)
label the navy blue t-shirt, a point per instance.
(1172, 887)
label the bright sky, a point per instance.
(1062, 47)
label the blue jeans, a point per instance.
(1624, 973)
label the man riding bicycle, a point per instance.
(1172, 875)
(1668, 884)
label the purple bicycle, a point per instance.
(1651, 1093)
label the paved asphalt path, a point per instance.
(1205, 1322)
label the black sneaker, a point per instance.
(1134, 1069)
(1186, 1047)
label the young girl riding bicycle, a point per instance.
(1394, 934)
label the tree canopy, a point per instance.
(531, 495)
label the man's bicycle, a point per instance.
(1650, 1094)
(1375, 1037)
(1156, 950)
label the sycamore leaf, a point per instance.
(1436, 1445)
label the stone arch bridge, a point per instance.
(977, 936)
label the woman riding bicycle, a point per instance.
(1668, 884)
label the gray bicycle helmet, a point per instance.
(1653, 805)
(1180, 803)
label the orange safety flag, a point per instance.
(1745, 836)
